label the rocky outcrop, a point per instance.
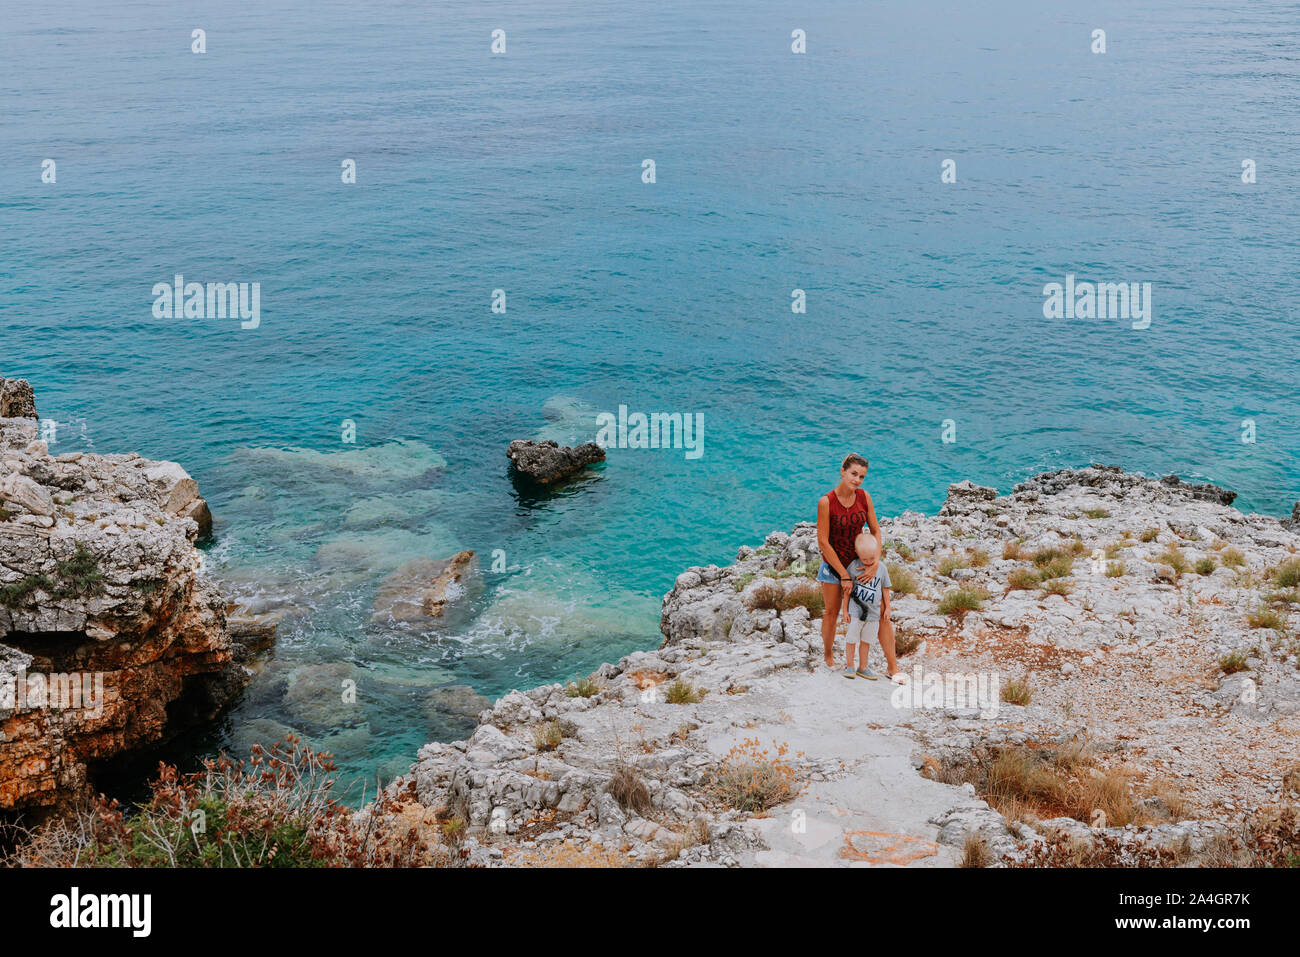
(111, 639)
(17, 400)
(548, 462)
(1127, 606)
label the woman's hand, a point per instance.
(864, 577)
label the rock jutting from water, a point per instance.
(1133, 632)
(111, 638)
(548, 462)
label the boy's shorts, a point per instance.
(862, 630)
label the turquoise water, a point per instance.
(522, 172)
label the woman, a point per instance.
(841, 513)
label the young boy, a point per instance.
(863, 605)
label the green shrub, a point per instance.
(1016, 691)
(949, 564)
(902, 581)
(547, 737)
(1265, 617)
(582, 688)
(1287, 574)
(1175, 559)
(1232, 663)
(1059, 567)
(1022, 578)
(1232, 558)
(960, 600)
(682, 692)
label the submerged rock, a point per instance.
(548, 462)
(424, 588)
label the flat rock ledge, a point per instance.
(111, 638)
(548, 462)
(1127, 659)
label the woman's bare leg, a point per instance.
(831, 614)
(887, 645)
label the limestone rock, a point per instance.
(548, 462)
(98, 580)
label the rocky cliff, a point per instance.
(110, 637)
(1096, 657)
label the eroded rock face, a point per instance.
(548, 462)
(100, 594)
(17, 401)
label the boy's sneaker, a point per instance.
(849, 673)
(867, 673)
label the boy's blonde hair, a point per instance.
(868, 542)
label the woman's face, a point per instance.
(853, 475)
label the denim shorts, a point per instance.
(827, 575)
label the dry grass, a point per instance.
(1028, 784)
(628, 789)
(570, 854)
(1022, 578)
(1175, 559)
(1232, 558)
(975, 853)
(1016, 691)
(749, 779)
(1287, 574)
(1230, 664)
(905, 643)
(949, 564)
(781, 598)
(1265, 617)
(682, 692)
(547, 737)
(1012, 551)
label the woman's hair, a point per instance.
(853, 459)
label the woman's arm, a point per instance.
(824, 537)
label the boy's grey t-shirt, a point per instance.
(870, 594)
